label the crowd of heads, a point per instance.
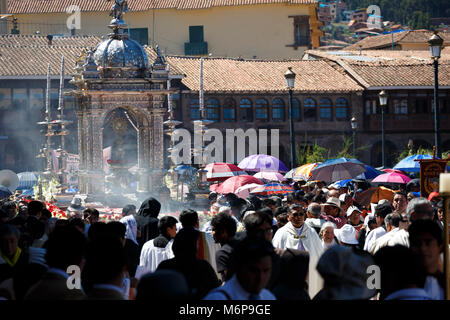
(352, 237)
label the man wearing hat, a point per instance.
(346, 236)
(332, 212)
(75, 209)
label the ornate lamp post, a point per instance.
(290, 80)
(354, 125)
(435, 43)
(383, 103)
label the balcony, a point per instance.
(195, 48)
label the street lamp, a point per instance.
(290, 80)
(383, 103)
(435, 43)
(354, 127)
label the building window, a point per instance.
(37, 100)
(296, 107)
(278, 109)
(309, 109)
(5, 98)
(196, 44)
(245, 110)
(371, 107)
(261, 110)
(229, 110)
(400, 106)
(301, 31)
(212, 110)
(325, 109)
(140, 35)
(341, 109)
(194, 109)
(421, 106)
(20, 99)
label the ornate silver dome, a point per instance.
(121, 53)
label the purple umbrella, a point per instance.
(262, 162)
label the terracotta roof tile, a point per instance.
(224, 74)
(385, 40)
(53, 6)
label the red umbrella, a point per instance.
(220, 171)
(392, 177)
(393, 170)
(232, 184)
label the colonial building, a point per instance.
(408, 78)
(220, 28)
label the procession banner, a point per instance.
(430, 169)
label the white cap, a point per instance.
(343, 196)
(351, 209)
(346, 234)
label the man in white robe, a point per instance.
(159, 249)
(298, 235)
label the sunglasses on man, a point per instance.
(297, 214)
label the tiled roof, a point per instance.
(22, 55)
(375, 55)
(385, 40)
(53, 6)
(226, 75)
(398, 73)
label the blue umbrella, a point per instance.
(27, 180)
(409, 165)
(27, 192)
(370, 173)
(338, 169)
(4, 192)
(343, 183)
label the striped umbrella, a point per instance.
(220, 171)
(304, 172)
(272, 189)
(27, 180)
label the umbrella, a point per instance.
(4, 192)
(214, 187)
(304, 172)
(393, 170)
(273, 188)
(262, 162)
(232, 184)
(338, 169)
(409, 164)
(290, 173)
(392, 177)
(373, 195)
(244, 191)
(220, 171)
(370, 173)
(270, 176)
(27, 180)
(343, 183)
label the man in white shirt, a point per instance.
(381, 211)
(298, 235)
(253, 258)
(313, 220)
(392, 222)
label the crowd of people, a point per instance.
(316, 243)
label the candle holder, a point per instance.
(444, 191)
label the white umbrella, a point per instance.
(244, 191)
(270, 176)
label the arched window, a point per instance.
(245, 110)
(325, 109)
(278, 110)
(309, 109)
(212, 110)
(341, 109)
(296, 107)
(194, 109)
(229, 110)
(261, 109)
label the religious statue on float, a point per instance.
(118, 9)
